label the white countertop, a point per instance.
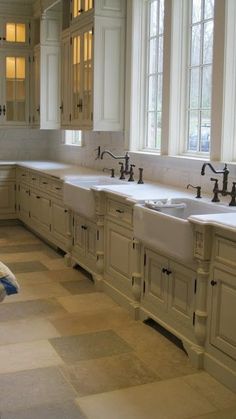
(131, 191)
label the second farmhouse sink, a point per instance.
(79, 196)
(168, 229)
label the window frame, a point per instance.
(70, 141)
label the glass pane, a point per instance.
(10, 67)
(20, 32)
(193, 130)
(206, 87)
(20, 68)
(10, 32)
(161, 17)
(209, 9)
(152, 88)
(195, 45)
(158, 133)
(205, 131)
(208, 42)
(20, 111)
(196, 10)
(160, 55)
(10, 111)
(159, 93)
(153, 18)
(20, 90)
(153, 56)
(151, 130)
(194, 88)
(10, 90)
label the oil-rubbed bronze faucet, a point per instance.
(125, 157)
(198, 188)
(224, 172)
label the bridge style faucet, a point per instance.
(224, 172)
(126, 157)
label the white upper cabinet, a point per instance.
(96, 80)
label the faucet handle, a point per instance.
(122, 176)
(140, 181)
(131, 173)
(198, 188)
(215, 190)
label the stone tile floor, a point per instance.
(68, 352)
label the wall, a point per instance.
(176, 171)
(24, 144)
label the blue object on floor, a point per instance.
(8, 282)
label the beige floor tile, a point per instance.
(38, 291)
(86, 302)
(65, 274)
(27, 356)
(26, 330)
(107, 374)
(110, 318)
(216, 393)
(53, 264)
(222, 414)
(170, 399)
(34, 278)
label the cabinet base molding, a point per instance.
(122, 299)
(221, 372)
(96, 277)
(195, 352)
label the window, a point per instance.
(73, 138)
(154, 74)
(200, 76)
(15, 32)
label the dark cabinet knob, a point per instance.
(213, 283)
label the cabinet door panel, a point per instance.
(24, 203)
(45, 213)
(91, 240)
(223, 330)
(7, 198)
(181, 292)
(118, 251)
(79, 234)
(156, 282)
(60, 222)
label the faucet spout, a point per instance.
(224, 172)
(125, 157)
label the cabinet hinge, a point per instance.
(70, 117)
(144, 287)
(73, 221)
(195, 286)
(144, 259)
(91, 116)
(97, 234)
(193, 318)
(92, 30)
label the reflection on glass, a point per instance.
(193, 131)
(196, 10)
(196, 45)
(208, 42)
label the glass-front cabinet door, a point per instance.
(14, 108)
(82, 77)
(14, 33)
(80, 7)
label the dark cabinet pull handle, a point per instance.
(58, 189)
(168, 272)
(0, 109)
(4, 110)
(164, 270)
(213, 283)
(38, 109)
(45, 183)
(23, 174)
(38, 197)
(4, 38)
(65, 211)
(120, 211)
(33, 178)
(80, 10)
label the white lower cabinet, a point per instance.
(168, 291)
(118, 269)
(7, 200)
(84, 241)
(23, 203)
(61, 224)
(223, 315)
(40, 211)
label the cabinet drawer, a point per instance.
(7, 173)
(120, 211)
(23, 175)
(56, 187)
(225, 251)
(34, 179)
